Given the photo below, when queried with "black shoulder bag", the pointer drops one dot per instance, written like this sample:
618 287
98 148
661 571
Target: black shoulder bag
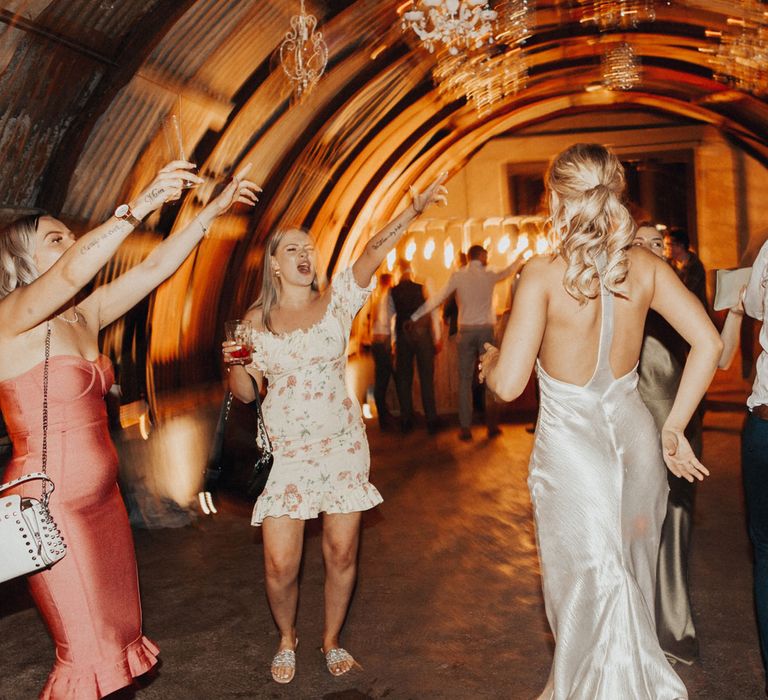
216 468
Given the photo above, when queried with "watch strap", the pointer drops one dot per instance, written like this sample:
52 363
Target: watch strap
128 216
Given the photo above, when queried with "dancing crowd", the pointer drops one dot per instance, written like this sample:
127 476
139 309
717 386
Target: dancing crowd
615 328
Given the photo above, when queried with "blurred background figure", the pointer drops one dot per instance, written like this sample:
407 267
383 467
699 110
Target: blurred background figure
690 269
418 342
473 286
383 312
662 358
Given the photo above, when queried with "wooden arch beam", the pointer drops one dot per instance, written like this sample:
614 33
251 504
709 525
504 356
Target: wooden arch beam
143 38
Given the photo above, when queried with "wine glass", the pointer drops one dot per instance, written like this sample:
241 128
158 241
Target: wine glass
239 331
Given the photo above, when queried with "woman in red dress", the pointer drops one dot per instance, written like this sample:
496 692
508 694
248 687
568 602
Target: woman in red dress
90 599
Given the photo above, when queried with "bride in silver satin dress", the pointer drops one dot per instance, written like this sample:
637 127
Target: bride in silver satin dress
597 478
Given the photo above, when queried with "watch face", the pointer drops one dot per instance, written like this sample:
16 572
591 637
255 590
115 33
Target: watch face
122 211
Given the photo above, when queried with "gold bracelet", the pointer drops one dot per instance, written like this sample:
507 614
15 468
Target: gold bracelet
734 311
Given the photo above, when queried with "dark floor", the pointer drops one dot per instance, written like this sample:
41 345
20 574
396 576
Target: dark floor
448 603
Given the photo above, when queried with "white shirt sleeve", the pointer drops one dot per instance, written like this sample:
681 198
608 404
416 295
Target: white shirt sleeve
755 294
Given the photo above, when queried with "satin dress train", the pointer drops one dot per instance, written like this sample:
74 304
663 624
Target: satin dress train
599 490
90 599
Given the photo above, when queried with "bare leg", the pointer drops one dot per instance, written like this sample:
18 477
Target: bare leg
341 534
283 542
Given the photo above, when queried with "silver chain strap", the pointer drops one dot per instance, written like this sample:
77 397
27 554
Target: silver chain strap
228 406
46 492
262 438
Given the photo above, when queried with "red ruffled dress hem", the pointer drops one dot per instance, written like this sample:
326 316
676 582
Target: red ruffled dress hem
71 682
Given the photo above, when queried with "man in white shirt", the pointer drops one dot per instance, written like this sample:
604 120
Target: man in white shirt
473 285
754 447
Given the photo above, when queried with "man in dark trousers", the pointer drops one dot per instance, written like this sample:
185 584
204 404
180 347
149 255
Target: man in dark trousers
414 341
473 285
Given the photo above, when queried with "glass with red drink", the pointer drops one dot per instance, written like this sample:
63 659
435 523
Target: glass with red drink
239 331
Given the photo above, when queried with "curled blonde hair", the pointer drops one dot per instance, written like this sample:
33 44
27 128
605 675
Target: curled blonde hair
270 282
588 218
17 265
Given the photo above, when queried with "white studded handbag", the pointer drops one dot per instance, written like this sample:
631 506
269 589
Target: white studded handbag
30 540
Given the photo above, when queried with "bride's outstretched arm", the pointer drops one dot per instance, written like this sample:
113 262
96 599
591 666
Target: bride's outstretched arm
507 370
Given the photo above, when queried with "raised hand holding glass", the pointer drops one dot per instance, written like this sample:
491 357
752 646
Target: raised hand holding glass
238 331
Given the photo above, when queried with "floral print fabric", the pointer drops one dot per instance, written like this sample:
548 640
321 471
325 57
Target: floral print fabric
322 460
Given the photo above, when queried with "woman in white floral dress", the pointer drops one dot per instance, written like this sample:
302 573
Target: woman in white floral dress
318 436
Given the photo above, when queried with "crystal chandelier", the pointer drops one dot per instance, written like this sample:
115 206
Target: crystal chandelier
741 57
621 68
303 53
483 79
454 24
495 78
488 74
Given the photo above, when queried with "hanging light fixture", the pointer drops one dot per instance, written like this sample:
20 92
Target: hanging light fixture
455 24
516 21
488 74
741 56
621 67
620 64
303 53
619 14
483 78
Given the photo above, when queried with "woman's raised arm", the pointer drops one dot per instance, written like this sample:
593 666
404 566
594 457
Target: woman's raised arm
686 314
112 300
30 305
377 248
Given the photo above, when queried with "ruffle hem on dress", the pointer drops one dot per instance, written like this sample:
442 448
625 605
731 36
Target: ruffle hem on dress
71 682
352 500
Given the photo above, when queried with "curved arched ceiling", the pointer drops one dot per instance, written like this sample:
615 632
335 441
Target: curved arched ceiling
85 85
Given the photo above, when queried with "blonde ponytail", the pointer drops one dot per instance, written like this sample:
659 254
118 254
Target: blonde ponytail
590 224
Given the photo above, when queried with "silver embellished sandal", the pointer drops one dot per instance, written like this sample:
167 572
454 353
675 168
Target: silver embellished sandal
335 656
286 658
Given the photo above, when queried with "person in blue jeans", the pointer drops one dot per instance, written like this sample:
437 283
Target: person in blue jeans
754 437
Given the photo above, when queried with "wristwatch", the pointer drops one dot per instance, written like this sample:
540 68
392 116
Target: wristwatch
124 212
